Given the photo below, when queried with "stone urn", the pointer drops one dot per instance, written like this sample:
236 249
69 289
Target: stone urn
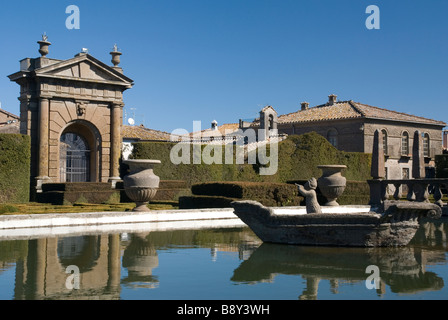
331 183
141 183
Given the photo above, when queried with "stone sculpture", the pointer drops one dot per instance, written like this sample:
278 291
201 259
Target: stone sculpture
309 192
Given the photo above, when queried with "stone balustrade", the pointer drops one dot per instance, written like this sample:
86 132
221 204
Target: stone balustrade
416 190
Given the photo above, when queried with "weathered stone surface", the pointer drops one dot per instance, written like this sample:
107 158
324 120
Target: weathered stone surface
81 95
395 227
309 192
377 166
418 160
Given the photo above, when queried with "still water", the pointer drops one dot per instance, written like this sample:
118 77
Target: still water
218 264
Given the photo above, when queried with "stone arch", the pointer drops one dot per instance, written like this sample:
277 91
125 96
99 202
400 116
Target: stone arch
92 137
82 251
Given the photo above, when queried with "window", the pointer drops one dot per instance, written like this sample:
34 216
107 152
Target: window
384 132
332 137
405 144
426 152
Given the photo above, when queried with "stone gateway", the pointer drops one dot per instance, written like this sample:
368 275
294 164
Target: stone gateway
72 109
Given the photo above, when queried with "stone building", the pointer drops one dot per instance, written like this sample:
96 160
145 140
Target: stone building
7 117
350 126
72 109
9 123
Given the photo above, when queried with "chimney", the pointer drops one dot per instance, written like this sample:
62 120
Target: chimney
332 99
305 105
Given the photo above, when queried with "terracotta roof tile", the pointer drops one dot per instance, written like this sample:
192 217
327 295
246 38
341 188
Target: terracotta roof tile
350 110
142 133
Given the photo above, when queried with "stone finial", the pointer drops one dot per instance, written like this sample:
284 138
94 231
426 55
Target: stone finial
418 161
115 56
43 45
377 167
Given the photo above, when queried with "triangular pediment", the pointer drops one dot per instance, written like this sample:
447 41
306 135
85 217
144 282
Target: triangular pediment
84 67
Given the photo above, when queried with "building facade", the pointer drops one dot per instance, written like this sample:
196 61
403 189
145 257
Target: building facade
350 126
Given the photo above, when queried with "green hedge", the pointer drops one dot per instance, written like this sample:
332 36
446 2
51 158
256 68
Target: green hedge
269 194
298 158
441 163
14 168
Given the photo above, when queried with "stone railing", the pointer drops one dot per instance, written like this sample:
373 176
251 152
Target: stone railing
416 190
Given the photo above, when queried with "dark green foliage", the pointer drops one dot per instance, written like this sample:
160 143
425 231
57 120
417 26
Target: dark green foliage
191 173
14 168
201 202
298 158
269 194
6 208
441 162
78 192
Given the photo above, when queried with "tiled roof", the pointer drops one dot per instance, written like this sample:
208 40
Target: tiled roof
350 110
9 114
142 133
226 128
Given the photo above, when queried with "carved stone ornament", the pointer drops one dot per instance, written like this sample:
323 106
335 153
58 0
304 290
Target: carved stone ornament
81 108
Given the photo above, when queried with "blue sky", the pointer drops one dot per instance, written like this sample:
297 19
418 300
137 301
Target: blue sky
226 59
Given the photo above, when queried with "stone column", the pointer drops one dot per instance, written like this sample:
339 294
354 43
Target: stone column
115 142
113 263
377 193
44 113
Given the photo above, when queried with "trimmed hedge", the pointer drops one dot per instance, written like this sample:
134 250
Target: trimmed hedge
298 158
15 154
441 163
221 194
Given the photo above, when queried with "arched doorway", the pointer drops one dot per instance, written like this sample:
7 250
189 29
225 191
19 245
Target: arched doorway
80 153
74 158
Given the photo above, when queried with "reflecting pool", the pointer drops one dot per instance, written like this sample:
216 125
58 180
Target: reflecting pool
219 264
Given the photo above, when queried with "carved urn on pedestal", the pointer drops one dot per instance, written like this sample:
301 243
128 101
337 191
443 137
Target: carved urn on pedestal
332 183
141 183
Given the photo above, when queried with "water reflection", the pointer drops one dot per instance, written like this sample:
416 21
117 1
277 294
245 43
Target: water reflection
400 268
41 265
108 263
139 258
